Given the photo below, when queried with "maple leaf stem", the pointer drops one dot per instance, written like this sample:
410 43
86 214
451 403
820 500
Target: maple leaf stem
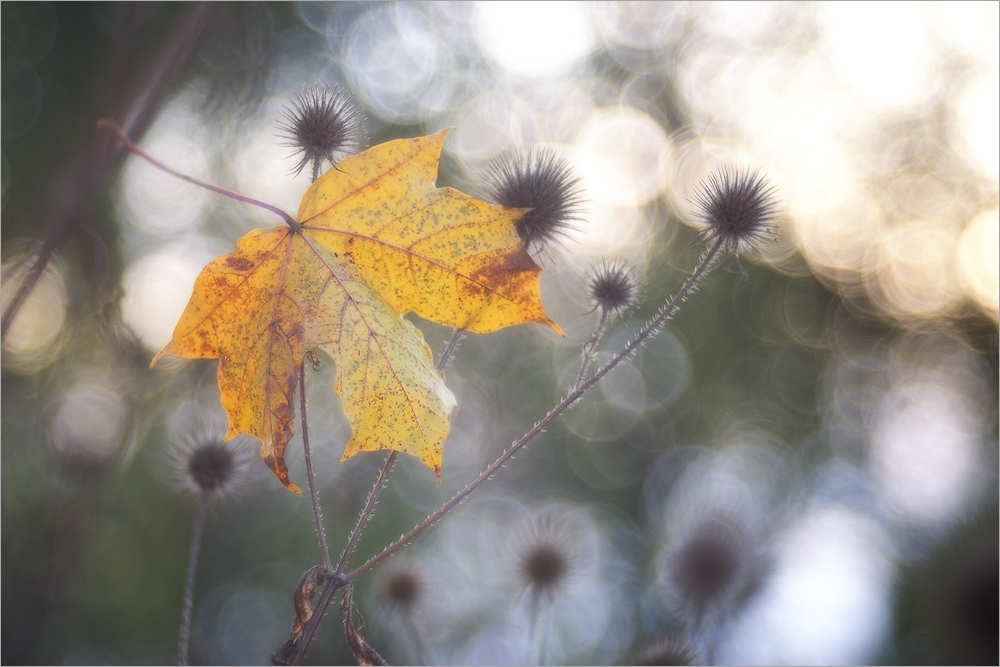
573 396
114 128
199 525
309 469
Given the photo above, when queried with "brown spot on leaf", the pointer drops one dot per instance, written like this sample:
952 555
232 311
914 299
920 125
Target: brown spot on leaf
238 263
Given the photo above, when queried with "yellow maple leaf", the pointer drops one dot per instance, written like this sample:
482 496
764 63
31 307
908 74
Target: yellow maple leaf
374 238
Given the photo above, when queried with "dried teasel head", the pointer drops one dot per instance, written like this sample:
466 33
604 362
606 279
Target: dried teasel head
205 464
323 124
613 286
542 181
547 555
736 207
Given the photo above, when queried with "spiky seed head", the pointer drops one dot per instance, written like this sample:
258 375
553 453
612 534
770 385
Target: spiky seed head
613 286
541 180
323 124
205 464
400 585
738 207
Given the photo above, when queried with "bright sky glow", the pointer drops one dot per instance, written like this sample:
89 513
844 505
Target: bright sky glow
828 601
979 260
926 452
535 39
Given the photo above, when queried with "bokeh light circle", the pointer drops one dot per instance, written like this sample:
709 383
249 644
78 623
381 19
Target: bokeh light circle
158 286
979 261
34 338
535 39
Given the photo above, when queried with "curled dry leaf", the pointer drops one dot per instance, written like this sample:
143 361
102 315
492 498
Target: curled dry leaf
363 653
374 238
302 601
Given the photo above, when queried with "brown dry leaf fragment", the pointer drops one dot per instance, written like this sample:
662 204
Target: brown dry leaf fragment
302 600
363 653
374 239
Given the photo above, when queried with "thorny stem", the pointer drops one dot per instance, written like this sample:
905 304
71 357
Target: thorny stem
309 469
450 350
588 349
555 412
339 580
114 128
366 513
383 478
199 524
333 584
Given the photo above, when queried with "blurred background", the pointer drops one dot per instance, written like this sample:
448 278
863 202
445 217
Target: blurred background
801 467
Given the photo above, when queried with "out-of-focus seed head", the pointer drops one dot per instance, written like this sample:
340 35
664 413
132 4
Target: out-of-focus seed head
664 650
712 569
401 587
323 124
542 181
738 208
544 567
205 464
613 286
547 557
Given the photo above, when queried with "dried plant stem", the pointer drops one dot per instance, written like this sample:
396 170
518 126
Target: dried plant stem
419 648
591 346
450 349
383 478
573 396
366 513
199 525
339 580
317 513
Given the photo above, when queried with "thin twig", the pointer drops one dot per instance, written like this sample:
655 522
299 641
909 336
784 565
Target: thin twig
309 469
199 524
366 515
555 412
97 161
